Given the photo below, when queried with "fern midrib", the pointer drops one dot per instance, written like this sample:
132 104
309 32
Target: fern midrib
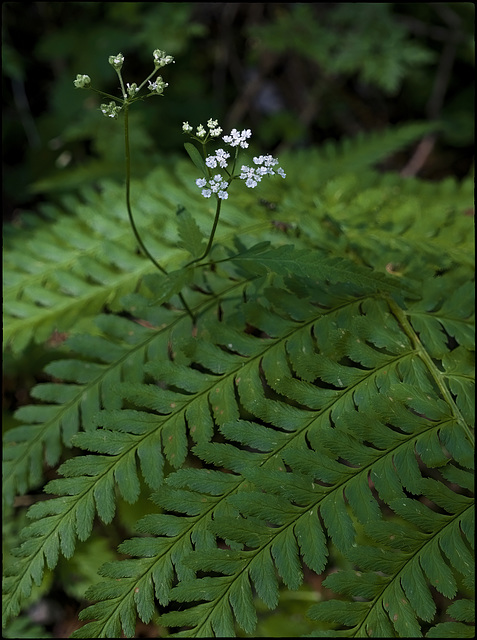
74 402
98 379
176 540
437 375
416 553
242 481
336 487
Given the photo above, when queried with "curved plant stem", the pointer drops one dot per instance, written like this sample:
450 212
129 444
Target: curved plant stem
212 234
128 206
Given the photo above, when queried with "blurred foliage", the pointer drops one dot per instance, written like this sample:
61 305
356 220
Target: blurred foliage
296 73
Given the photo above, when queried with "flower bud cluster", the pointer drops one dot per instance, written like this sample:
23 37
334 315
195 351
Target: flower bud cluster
160 58
82 81
110 110
157 86
129 91
132 89
213 126
117 61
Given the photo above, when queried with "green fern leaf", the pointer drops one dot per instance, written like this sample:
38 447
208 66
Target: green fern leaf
190 234
451 630
287 260
316 406
411 415
462 609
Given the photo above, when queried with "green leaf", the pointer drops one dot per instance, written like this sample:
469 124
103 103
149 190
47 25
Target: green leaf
240 597
451 630
191 235
285 553
347 613
401 613
197 159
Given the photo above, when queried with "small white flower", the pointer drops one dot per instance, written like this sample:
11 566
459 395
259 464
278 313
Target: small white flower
223 195
116 61
206 193
200 133
211 162
212 123
222 157
216 183
201 182
158 85
237 138
186 128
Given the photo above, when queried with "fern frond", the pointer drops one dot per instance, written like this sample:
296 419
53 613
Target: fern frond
317 394
406 227
88 384
461 610
411 556
109 365
337 370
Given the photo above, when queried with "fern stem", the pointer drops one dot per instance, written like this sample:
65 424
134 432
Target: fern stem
128 206
401 316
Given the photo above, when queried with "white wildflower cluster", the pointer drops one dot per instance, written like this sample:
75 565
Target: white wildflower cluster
237 138
253 175
110 110
82 81
157 86
215 185
220 158
160 58
117 61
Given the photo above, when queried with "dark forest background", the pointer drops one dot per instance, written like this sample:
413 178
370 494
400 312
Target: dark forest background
295 73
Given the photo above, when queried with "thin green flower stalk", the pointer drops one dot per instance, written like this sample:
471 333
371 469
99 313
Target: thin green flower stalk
130 94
